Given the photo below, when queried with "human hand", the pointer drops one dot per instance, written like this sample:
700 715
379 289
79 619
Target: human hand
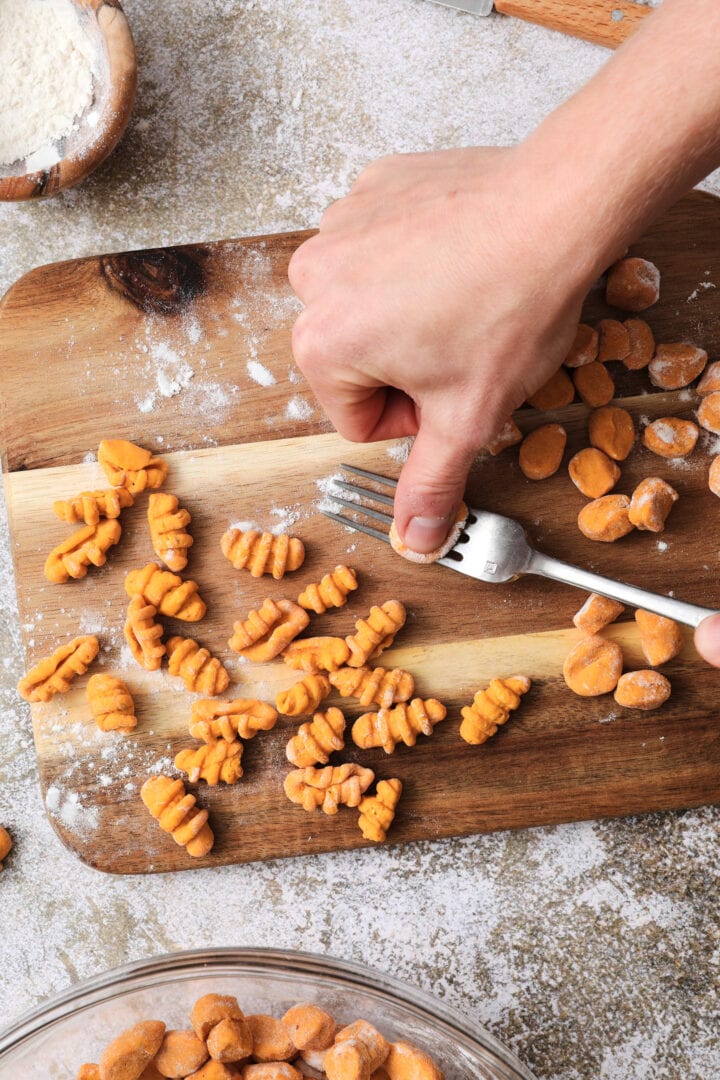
439 294
707 640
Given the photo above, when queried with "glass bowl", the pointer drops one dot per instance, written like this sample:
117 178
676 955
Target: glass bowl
52 1041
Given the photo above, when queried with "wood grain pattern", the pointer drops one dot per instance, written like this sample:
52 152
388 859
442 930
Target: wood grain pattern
82 349
114 96
603 22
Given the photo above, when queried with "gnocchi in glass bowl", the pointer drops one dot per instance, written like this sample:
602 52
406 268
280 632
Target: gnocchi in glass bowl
52 1041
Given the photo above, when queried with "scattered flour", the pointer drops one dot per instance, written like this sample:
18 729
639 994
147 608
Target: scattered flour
260 374
299 408
701 285
288 516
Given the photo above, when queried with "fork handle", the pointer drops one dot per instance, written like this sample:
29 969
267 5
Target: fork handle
547 566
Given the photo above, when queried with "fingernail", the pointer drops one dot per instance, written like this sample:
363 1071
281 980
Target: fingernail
425 534
707 640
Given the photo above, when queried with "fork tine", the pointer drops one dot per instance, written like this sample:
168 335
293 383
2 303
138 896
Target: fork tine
357 525
387 500
371 476
385 518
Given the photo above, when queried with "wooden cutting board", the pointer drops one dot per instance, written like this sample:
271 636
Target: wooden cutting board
186 351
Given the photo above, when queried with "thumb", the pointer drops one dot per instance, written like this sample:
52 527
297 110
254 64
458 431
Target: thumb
707 640
430 489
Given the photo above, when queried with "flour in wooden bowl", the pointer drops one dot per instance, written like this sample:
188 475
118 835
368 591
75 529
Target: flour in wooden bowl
47 71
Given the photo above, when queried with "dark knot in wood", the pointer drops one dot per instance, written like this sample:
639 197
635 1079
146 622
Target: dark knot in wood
163 281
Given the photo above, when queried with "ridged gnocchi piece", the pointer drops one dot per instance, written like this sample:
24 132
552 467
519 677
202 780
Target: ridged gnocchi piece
86 547
269 630
263 553
328 788
492 707
330 592
376 633
90 506
54 674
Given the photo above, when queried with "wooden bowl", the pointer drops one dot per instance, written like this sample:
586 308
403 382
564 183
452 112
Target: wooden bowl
84 149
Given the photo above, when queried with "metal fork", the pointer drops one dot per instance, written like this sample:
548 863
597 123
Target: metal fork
495 548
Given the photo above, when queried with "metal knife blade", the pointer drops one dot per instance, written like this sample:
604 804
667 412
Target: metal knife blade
474 7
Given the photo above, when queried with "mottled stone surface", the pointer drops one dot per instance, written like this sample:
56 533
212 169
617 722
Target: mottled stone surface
591 949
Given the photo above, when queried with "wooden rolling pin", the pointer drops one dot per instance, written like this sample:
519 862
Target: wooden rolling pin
604 22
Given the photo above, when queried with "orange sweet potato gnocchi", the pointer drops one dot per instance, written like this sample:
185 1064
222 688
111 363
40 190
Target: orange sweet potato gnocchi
130 466
5 845
271 1039
593 667
671 437
168 523
614 340
593 472
144 635
491 708
584 349
710 382
90 506
404 723
317 654
611 429
212 762
374 686
263 553
541 451
676 365
210 1009
310 1027
271 1071
128 1055
111 703
633 284
660 638
641 344
642 690
167 592
377 811
241 718
556 393
327 788
651 502
606 519
594 384
376 633
269 630
176 813
596 613
86 547
709 412
331 592
181 1053
508 435
54 674
201 672
316 741
714 476
224 1043
304 696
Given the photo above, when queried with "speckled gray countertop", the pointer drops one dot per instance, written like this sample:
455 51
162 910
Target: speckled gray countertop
591 949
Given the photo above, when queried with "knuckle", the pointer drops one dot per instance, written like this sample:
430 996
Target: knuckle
302 342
